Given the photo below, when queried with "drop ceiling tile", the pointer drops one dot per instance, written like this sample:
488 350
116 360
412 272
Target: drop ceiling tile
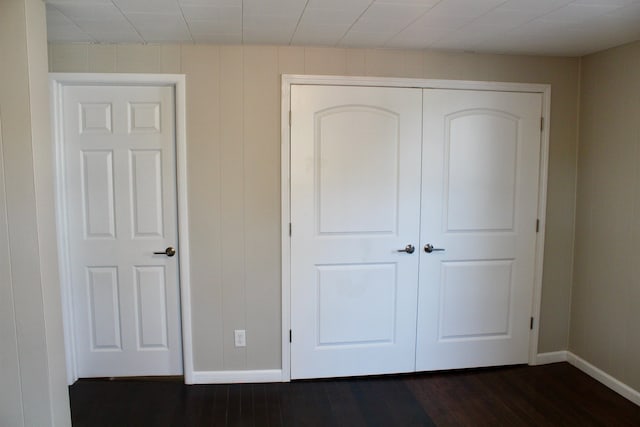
339 4
405 44
313 17
166 35
55 17
606 2
481 32
448 21
119 37
211 27
106 26
274 23
505 18
89 11
459 40
538 29
316 34
274 7
82 2
159 27
622 16
418 36
148 6
319 28
388 18
519 43
211 3
383 12
212 13
363 25
234 38
576 13
67 34
465 7
614 37
363 39
155 19
250 36
409 41
537 7
427 3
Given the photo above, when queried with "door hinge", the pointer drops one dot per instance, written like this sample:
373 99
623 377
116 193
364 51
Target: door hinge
290 336
541 123
290 229
537 225
531 324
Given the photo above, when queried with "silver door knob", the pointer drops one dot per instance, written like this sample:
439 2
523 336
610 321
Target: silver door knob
408 249
428 248
170 251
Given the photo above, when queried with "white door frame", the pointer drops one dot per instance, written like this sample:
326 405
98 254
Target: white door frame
292 79
57 82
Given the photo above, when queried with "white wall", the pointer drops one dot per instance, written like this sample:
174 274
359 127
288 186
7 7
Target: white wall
33 391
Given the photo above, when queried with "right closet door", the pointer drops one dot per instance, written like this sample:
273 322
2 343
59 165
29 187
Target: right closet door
480 177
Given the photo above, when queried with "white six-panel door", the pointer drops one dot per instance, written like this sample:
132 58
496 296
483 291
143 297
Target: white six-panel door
355 174
480 165
374 169
121 208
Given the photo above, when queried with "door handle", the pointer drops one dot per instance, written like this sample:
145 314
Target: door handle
170 251
408 249
428 248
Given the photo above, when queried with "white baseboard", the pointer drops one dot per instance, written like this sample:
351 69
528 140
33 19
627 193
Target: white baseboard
606 379
229 377
551 357
275 375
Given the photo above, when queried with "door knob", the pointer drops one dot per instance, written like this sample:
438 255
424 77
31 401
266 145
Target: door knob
408 249
170 251
428 248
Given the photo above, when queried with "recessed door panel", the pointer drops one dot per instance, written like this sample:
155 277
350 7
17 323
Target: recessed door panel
104 312
146 182
480 177
356 304
95 117
475 299
151 307
357 166
98 194
144 117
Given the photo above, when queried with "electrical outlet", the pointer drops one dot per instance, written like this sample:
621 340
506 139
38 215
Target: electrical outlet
240 337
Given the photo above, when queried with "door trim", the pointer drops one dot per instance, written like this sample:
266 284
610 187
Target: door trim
57 82
292 79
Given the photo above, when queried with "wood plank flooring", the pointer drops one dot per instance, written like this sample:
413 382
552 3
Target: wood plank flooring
550 395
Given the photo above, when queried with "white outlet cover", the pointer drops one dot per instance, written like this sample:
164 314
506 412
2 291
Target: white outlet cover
240 338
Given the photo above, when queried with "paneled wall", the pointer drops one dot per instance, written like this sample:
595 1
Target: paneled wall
33 389
605 316
233 126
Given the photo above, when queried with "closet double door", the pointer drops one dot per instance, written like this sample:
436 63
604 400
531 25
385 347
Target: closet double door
413 238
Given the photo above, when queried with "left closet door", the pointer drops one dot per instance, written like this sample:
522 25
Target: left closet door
355 212
120 175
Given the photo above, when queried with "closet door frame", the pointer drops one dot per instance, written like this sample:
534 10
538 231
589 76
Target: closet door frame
288 80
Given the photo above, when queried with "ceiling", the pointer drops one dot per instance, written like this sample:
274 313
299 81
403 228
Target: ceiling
540 27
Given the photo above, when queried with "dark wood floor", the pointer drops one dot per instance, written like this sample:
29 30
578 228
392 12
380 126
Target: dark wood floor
551 395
